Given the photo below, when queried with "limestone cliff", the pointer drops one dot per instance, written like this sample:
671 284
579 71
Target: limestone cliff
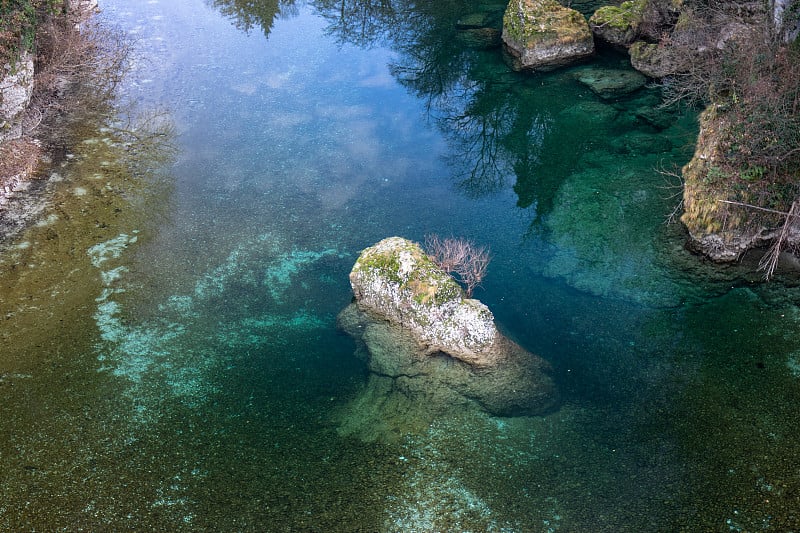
16 89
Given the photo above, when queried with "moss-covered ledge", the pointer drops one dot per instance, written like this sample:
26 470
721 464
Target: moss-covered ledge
727 210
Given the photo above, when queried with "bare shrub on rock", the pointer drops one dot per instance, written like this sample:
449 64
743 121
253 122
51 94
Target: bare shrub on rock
461 257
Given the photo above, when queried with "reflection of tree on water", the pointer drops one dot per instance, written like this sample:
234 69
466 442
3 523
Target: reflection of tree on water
363 23
495 131
497 127
247 14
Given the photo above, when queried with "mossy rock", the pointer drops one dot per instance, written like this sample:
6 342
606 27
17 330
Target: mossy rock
542 34
396 281
721 231
618 25
654 60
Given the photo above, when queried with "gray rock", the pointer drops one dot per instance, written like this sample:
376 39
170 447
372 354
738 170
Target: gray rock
542 34
611 83
654 60
618 25
429 350
397 281
16 88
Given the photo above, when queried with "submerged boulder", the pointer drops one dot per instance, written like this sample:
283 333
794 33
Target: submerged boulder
430 351
480 30
542 34
609 83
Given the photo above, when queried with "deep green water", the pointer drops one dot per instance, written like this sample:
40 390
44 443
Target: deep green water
170 359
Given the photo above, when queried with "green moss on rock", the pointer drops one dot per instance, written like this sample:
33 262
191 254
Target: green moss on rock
542 34
618 25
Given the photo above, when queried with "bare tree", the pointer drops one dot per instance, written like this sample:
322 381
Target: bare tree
447 253
473 269
460 257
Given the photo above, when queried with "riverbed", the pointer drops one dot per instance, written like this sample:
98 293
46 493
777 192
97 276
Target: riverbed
169 357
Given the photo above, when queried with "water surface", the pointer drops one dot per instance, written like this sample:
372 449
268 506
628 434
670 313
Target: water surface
170 358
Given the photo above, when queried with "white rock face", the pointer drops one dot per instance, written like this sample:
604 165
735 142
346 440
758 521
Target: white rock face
396 280
16 88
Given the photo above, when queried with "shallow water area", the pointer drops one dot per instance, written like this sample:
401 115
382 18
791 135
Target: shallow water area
170 358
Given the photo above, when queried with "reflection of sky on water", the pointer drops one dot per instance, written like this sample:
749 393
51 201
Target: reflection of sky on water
215 329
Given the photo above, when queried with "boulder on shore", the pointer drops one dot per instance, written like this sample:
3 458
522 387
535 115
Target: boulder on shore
430 351
543 35
718 229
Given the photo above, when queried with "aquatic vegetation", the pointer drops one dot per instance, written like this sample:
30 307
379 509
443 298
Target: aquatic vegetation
163 354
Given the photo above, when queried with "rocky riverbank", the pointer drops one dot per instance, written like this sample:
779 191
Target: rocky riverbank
734 57
30 98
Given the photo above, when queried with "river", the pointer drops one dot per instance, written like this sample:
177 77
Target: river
170 359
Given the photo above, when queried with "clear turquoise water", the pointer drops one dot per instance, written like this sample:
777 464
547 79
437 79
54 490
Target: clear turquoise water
199 379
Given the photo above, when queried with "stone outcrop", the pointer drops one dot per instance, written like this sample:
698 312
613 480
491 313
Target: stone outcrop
542 34
396 280
16 89
609 83
430 351
653 60
719 230
618 25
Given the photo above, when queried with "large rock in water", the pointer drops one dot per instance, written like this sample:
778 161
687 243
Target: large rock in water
618 25
542 34
430 351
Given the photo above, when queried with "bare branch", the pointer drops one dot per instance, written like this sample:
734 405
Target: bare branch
769 262
459 257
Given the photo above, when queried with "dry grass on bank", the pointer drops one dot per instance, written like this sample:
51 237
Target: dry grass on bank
18 158
78 69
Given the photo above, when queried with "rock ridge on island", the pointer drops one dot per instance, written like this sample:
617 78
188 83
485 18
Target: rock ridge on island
430 350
